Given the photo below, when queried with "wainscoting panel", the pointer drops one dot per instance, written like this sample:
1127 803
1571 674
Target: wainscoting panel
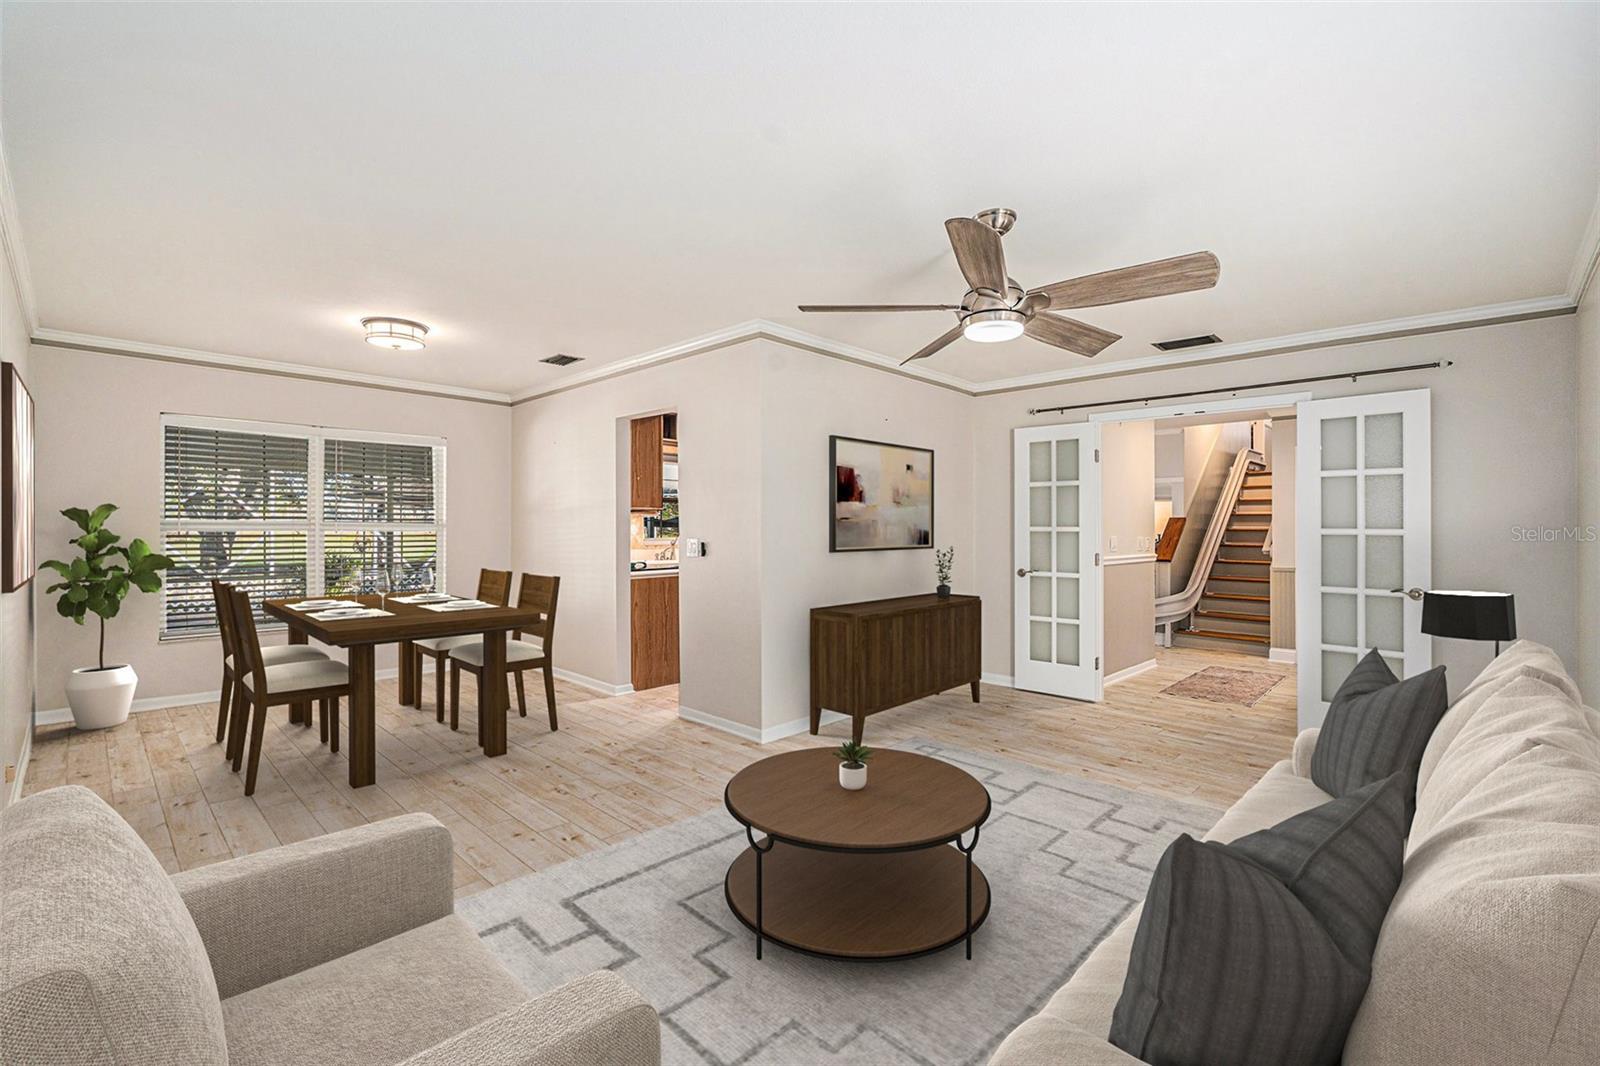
1282 607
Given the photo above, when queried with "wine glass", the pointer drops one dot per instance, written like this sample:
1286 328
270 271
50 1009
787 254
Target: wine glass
382 582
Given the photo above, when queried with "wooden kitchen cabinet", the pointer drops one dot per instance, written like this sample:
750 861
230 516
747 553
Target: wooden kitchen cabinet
655 631
645 464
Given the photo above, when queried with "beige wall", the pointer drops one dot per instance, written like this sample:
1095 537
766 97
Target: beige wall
1127 487
805 398
569 501
100 441
1504 418
1587 435
17 677
753 427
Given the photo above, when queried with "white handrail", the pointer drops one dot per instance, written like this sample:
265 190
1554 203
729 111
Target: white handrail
1171 608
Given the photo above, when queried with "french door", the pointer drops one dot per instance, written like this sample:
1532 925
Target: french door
1363 516
1056 635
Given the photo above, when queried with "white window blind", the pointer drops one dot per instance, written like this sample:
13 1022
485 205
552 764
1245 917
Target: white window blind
294 510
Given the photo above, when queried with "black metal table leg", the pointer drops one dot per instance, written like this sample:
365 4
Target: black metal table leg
760 851
967 851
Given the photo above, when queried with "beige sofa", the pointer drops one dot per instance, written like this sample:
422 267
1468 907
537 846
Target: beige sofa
1490 953
342 949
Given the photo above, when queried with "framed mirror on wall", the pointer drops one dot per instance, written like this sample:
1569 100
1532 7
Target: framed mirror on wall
16 471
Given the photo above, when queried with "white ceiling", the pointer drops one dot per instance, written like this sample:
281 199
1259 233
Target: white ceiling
607 179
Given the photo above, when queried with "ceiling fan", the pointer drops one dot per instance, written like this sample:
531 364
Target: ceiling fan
996 308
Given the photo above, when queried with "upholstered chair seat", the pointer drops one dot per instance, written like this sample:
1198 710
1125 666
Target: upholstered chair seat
517 651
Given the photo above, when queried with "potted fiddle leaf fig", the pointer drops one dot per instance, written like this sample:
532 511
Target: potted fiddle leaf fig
853 758
96 582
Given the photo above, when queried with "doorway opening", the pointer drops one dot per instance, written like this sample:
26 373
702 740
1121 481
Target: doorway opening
652 514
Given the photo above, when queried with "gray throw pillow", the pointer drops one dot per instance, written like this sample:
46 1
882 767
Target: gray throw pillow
1259 951
1377 725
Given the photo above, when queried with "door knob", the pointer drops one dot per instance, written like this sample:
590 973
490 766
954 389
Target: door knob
1023 573
1415 594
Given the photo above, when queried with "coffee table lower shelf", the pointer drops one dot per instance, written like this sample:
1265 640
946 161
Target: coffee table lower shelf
860 905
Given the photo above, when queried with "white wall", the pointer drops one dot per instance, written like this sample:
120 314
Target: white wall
805 398
569 502
100 441
753 427
1586 433
1127 486
1504 419
17 677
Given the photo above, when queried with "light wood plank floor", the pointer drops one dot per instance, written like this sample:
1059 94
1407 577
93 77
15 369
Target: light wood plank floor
621 765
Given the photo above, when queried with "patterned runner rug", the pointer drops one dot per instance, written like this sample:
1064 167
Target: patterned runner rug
1065 857
1222 684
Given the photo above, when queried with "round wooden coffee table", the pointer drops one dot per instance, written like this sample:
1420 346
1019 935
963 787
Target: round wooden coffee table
864 875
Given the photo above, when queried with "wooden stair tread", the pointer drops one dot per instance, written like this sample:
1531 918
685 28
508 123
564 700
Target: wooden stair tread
1220 634
1238 577
1246 562
1241 544
1248 597
1237 616
1249 529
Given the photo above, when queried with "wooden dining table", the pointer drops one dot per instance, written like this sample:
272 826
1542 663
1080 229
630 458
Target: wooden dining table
405 624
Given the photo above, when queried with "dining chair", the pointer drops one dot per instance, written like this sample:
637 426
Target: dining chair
494 586
259 686
273 656
535 592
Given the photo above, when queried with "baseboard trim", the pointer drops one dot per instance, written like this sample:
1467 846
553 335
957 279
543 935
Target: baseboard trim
1003 680
585 681
61 715
1281 655
748 732
1132 671
22 767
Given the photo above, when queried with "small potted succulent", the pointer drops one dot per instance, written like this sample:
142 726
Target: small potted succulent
853 764
96 582
943 560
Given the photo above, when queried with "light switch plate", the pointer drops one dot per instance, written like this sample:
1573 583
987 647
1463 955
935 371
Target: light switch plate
694 548
1113 544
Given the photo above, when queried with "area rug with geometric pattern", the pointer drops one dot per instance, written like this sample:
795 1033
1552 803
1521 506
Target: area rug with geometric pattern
1221 684
1065 859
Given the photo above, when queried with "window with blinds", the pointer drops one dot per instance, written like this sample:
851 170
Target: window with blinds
291 511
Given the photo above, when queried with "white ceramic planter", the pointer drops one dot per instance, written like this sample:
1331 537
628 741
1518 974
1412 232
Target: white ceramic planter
852 777
101 699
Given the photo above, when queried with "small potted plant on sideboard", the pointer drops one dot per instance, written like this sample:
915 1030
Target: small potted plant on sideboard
853 764
943 562
96 583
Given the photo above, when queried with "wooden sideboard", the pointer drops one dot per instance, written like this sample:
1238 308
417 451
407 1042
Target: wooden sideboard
868 657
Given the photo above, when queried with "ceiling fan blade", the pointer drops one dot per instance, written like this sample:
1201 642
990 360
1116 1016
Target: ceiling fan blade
1164 277
978 252
1080 338
933 346
1033 303
879 307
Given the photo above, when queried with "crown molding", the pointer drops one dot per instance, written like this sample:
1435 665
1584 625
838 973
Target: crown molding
11 242
753 329
1588 258
84 342
1443 321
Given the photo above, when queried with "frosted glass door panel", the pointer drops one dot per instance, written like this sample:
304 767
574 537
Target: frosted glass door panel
1363 510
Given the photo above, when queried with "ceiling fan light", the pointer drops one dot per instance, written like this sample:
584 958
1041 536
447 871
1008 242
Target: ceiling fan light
991 327
396 334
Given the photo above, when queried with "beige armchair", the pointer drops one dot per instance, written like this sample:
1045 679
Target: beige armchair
343 948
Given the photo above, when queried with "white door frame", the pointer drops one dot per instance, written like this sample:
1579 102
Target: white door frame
1086 680
1416 469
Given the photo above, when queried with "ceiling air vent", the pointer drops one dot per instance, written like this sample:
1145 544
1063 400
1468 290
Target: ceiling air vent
562 360
1188 342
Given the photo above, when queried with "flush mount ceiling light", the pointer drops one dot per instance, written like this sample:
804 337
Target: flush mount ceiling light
396 334
988 327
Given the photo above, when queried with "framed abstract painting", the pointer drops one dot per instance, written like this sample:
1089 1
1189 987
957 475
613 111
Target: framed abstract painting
16 473
881 496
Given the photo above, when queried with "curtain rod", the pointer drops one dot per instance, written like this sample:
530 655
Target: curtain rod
1354 375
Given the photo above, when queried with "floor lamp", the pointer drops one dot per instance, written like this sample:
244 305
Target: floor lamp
1470 616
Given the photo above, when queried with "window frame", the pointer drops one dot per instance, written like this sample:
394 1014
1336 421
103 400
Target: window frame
315 525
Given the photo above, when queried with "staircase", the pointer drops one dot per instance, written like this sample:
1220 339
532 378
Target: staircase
1232 614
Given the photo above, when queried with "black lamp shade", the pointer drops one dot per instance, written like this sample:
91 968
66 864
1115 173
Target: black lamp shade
1469 615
